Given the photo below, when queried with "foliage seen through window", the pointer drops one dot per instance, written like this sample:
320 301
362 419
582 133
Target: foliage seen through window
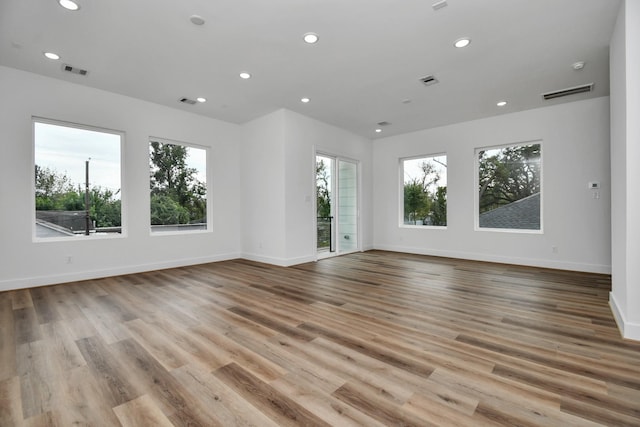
509 187
178 187
64 156
425 191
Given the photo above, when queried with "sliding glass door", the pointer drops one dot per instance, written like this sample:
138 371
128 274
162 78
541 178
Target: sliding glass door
336 205
347 206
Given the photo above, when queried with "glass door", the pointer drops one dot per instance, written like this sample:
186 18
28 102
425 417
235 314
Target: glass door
347 232
325 226
336 205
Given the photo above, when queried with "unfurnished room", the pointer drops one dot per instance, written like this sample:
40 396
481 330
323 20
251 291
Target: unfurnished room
320 213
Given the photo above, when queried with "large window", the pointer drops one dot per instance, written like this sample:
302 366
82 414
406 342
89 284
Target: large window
178 183
424 185
509 190
77 180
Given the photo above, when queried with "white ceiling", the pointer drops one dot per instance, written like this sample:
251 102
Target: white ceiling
370 57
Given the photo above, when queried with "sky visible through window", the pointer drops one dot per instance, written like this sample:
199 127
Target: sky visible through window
197 158
412 168
66 149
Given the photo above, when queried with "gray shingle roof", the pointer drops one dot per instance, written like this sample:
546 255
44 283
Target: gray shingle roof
523 214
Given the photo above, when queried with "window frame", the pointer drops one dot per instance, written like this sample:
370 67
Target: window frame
208 185
401 184
476 193
123 204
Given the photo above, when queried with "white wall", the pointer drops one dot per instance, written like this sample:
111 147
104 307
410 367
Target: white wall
25 263
278 164
618 89
632 330
305 137
575 150
263 189
625 157
263 186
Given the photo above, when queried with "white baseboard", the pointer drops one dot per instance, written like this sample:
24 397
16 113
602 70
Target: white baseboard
543 263
282 262
628 330
31 282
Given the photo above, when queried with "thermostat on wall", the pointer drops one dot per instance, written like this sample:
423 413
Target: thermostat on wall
594 185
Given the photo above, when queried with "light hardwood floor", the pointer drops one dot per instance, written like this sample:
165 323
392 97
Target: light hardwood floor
370 339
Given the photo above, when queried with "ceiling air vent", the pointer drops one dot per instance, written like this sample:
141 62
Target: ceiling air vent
384 123
187 101
429 80
568 91
74 70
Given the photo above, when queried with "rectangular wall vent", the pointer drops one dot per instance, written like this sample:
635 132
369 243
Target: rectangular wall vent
568 91
188 101
74 70
429 80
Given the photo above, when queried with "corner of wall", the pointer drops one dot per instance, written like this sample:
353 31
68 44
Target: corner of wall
628 330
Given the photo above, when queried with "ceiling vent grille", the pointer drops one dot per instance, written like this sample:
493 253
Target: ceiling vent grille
429 80
569 91
75 70
187 101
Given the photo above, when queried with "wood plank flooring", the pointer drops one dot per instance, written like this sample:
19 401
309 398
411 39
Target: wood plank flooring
367 339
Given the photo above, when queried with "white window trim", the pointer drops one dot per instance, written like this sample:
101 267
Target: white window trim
401 223
476 195
209 198
123 192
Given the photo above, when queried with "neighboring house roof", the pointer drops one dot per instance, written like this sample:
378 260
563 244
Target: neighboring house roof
46 230
65 221
523 214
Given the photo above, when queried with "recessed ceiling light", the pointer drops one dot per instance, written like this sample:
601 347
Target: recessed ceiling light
52 55
501 103
201 99
439 4
305 100
378 130
310 38
463 42
69 4
245 75
196 20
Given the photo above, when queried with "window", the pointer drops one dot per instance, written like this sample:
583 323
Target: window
178 184
77 180
425 191
509 187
